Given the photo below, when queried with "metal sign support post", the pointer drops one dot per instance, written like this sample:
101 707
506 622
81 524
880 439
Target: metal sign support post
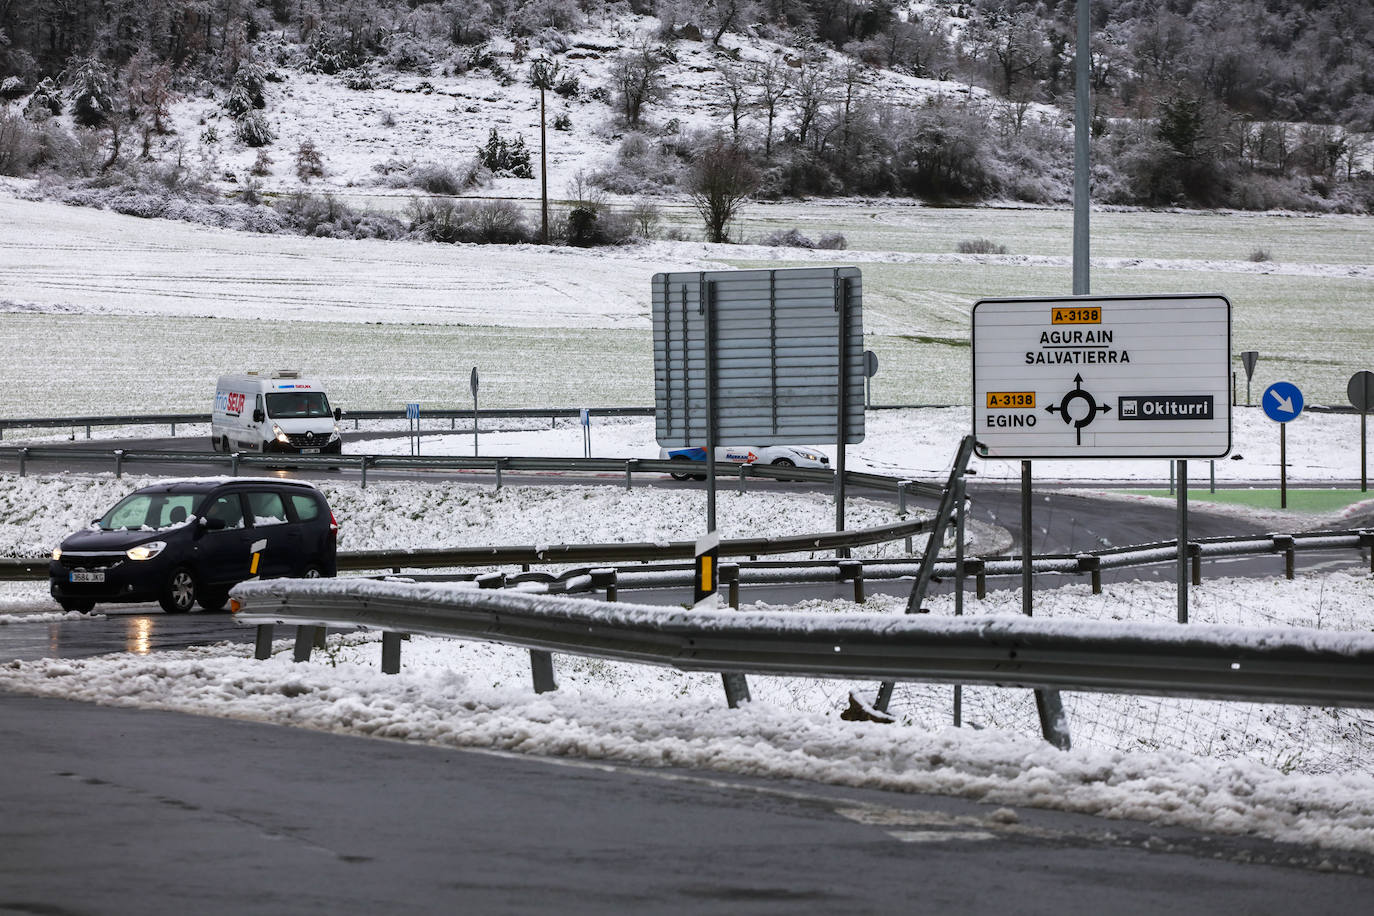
961 503
474 411
707 306
1026 538
1183 540
1364 455
1283 465
841 413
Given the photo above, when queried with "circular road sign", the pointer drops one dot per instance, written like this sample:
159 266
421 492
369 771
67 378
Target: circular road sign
870 363
1282 401
1361 391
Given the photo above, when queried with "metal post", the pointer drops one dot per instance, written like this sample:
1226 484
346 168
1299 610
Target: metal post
234 464
474 423
119 462
1212 477
262 644
499 462
541 668
841 408
23 460
305 641
391 653
1364 455
1026 569
629 479
707 305
960 495
362 468
1082 135
1182 541
1283 465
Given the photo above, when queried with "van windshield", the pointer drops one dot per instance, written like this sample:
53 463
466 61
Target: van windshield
289 405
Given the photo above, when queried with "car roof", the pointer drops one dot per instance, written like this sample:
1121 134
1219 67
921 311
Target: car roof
206 484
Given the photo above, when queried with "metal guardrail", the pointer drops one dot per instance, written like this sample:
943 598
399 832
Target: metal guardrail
498 465
1218 662
172 419
32 568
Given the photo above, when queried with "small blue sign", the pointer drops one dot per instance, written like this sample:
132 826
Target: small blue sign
584 415
1282 401
412 411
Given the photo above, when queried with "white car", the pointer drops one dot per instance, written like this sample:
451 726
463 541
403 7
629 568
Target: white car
783 456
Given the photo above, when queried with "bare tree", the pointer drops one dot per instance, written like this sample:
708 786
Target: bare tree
637 77
732 93
722 179
771 82
721 16
813 92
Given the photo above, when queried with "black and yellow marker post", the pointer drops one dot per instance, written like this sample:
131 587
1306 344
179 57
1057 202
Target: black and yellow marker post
704 584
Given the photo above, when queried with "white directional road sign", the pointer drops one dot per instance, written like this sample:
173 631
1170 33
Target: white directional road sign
1102 377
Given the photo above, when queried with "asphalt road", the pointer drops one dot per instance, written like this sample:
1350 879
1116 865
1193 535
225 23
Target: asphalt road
111 810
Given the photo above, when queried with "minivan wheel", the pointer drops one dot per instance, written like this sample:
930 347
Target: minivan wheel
213 599
178 592
80 607
312 572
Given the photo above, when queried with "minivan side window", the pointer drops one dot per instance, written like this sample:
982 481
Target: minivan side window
267 508
305 506
226 508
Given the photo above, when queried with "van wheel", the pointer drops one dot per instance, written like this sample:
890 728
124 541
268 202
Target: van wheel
677 476
178 592
312 572
213 600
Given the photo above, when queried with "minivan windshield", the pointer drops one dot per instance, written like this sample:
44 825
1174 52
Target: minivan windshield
291 405
150 510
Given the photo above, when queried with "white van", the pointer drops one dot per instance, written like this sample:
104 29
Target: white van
274 412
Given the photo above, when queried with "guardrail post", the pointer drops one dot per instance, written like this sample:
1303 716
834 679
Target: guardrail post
88 430
234 464
305 641
23 460
319 637
391 653
499 462
492 580
1367 543
605 577
743 472
1087 563
853 571
901 501
1195 554
629 467
978 568
541 668
729 577
262 645
174 430
119 463
1284 542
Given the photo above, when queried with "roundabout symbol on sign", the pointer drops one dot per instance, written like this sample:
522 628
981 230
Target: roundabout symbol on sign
1090 410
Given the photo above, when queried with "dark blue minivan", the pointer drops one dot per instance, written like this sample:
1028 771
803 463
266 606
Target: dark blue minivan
185 542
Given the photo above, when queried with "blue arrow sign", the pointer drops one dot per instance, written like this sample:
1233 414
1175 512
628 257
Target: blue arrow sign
1282 401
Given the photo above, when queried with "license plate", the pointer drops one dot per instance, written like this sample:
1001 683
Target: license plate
84 576
310 451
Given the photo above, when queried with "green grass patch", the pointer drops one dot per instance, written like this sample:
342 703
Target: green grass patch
1299 500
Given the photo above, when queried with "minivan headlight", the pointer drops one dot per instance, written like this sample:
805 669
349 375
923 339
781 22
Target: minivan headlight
280 433
146 551
57 553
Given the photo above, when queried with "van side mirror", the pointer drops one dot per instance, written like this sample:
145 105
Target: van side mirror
258 415
338 413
